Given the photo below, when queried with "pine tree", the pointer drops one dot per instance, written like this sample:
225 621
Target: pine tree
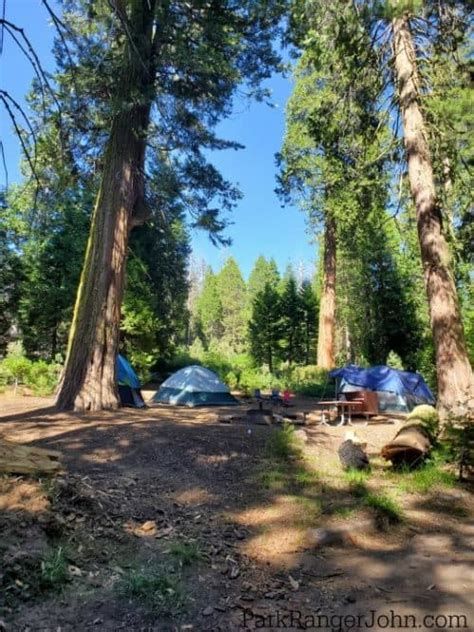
292 316
265 327
263 272
209 310
333 151
232 294
11 273
309 311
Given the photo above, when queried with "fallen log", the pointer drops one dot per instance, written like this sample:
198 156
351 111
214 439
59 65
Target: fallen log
16 458
413 442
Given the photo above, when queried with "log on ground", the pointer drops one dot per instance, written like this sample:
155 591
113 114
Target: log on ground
22 459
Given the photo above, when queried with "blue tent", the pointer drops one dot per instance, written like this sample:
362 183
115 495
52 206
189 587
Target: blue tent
128 384
397 390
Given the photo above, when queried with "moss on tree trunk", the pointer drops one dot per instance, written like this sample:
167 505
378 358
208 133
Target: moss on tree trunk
88 381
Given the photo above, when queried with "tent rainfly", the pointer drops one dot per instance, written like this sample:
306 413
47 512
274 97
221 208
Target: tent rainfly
194 386
128 384
397 391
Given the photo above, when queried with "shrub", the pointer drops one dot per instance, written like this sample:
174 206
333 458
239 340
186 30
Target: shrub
16 369
252 378
3 377
142 362
43 377
283 444
232 380
458 438
394 361
307 380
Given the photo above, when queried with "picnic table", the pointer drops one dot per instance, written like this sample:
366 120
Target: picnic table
342 406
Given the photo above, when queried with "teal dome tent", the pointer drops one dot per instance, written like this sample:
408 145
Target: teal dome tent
194 386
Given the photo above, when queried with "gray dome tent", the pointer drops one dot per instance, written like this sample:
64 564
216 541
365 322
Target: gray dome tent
194 386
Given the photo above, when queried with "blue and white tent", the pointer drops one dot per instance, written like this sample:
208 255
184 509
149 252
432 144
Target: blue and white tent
397 391
128 384
194 386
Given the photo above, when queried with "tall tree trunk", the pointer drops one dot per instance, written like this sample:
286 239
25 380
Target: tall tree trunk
454 373
88 381
327 307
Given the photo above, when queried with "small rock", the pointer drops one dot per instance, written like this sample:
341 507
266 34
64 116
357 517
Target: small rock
247 597
74 570
207 611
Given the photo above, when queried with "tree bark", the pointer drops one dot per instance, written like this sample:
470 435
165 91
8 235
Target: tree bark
327 308
89 380
454 373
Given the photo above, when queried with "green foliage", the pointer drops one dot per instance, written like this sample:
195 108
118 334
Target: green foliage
16 368
292 318
11 273
262 273
283 444
186 552
266 326
394 361
209 309
386 508
159 589
430 476
232 293
308 380
43 377
458 438
309 322
356 477
54 569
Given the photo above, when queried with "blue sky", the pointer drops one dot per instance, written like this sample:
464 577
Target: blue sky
260 224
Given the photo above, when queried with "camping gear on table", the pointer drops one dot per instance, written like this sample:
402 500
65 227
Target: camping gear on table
397 391
194 386
128 384
275 396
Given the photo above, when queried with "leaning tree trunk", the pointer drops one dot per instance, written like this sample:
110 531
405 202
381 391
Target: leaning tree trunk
454 373
88 381
327 307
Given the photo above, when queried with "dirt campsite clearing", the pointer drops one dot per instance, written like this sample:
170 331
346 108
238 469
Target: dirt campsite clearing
166 519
